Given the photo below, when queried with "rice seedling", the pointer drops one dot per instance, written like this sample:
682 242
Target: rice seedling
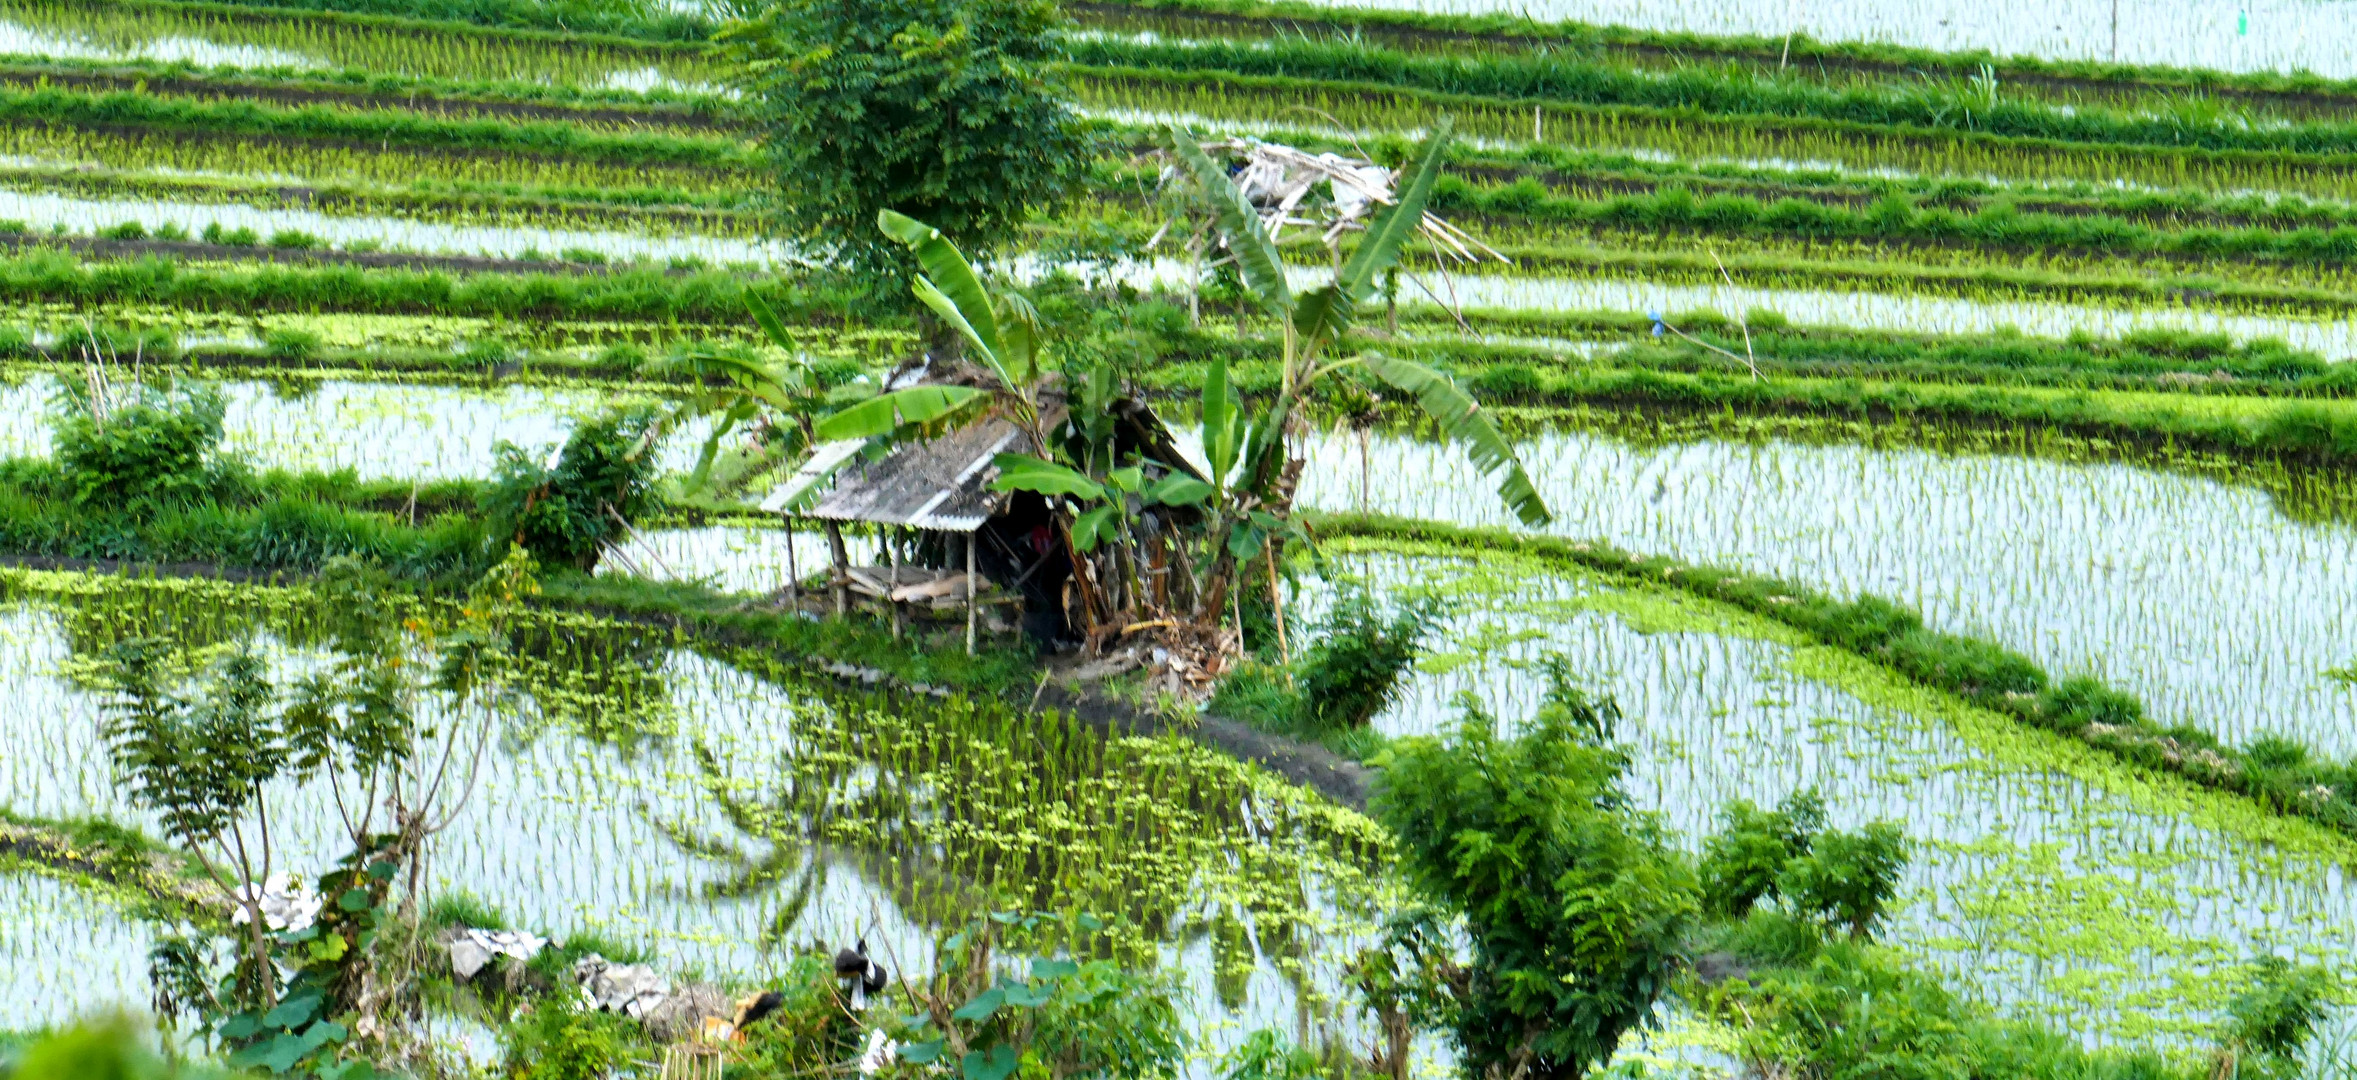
224 33
2046 882
2127 574
725 815
656 242
66 951
2264 36
1225 99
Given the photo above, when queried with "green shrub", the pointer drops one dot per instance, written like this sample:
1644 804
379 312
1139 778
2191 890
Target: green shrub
295 239
2082 700
129 230
1573 902
560 1040
172 231
463 908
2277 1014
1743 863
288 345
1354 670
565 512
155 446
241 236
1847 879
584 256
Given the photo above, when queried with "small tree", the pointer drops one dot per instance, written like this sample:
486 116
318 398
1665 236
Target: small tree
939 109
1742 864
568 507
201 752
1573 902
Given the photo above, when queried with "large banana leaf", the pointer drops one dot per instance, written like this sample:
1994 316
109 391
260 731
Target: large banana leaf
766 318
1256 255
1019 337
885 413
1325 314
1461 418
1022 472
1220 430
1389 231
955 316
947 268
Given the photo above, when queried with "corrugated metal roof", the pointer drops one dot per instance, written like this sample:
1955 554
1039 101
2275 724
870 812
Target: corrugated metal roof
939 485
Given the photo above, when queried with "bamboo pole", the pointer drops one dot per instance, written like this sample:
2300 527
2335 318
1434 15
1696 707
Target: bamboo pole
970 604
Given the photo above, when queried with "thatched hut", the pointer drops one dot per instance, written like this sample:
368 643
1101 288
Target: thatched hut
950 538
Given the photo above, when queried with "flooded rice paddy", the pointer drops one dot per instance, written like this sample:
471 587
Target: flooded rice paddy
2200 597
2046 881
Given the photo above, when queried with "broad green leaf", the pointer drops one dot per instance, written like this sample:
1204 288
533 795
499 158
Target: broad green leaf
296 1010
1256 255
1022 472
1219 422
329 949
886 413
923 1053
353 900
1244 542
1091 528
1389 230
766 318
1462 420
1025 996
951 275
240 1026
1019 337
996 1065
1043 968
942 305
1179 489
1323 315
983 1007
1129 479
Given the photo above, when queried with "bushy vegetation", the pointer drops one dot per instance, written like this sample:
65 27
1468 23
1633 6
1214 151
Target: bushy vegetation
1575 904
567 507
939 109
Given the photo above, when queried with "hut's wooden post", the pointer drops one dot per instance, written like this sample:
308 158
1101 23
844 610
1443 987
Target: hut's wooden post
892 582
842 569
970 605
793 575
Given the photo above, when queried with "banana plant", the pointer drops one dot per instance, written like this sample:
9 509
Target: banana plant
1001 333
1253 462
737 389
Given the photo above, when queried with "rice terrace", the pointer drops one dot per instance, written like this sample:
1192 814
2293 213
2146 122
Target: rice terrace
1178 539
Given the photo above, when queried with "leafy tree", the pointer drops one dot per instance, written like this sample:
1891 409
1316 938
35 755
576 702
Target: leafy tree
1574 903
1847 879
1354 669
1741 865
939 109
2275 1016
123 446
199 750
566 508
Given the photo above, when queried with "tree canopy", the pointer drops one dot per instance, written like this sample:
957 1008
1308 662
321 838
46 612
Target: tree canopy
938 109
